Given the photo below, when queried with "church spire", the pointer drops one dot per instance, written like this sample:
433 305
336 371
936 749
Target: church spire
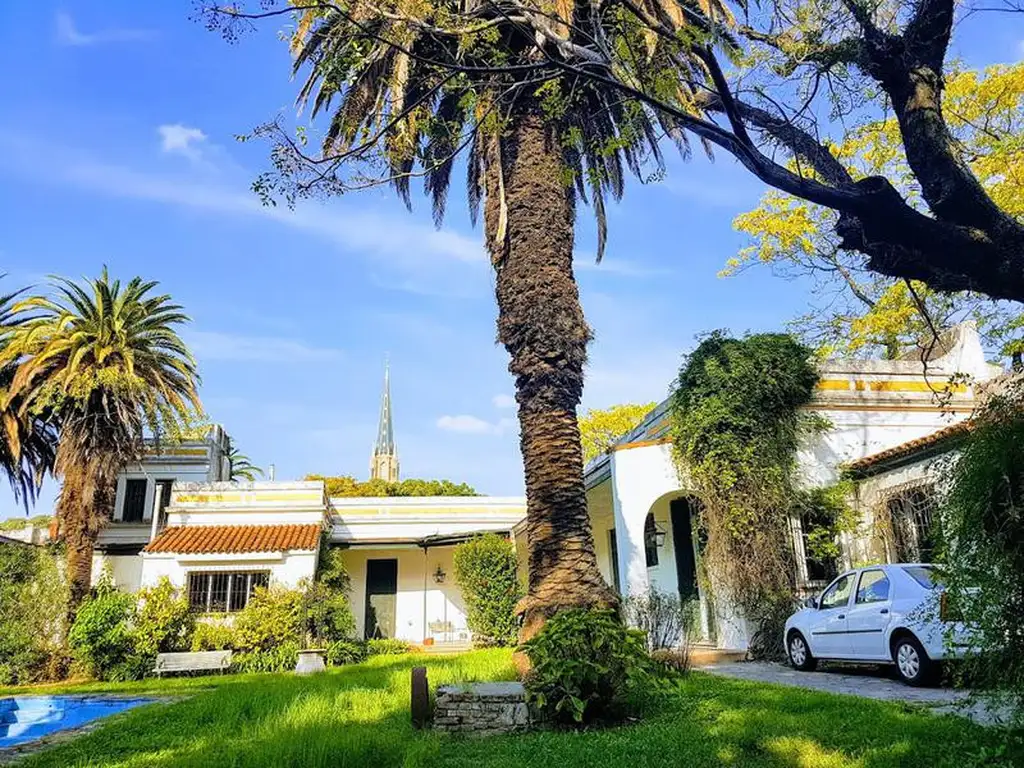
384 461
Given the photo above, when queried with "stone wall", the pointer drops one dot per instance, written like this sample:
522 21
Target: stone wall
482 709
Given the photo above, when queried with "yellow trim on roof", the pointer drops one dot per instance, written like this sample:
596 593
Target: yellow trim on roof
246 496
177 452
833 384
887 385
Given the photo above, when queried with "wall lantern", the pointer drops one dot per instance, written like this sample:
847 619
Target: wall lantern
439 575
654 533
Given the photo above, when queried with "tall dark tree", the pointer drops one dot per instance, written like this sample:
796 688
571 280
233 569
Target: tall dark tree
405 88
104 360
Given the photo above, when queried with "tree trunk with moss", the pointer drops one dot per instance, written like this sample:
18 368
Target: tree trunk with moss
541 324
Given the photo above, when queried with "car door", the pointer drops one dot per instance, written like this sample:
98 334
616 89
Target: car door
828 625
869 615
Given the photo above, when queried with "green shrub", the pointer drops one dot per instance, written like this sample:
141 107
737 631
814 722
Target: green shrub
587 667
33 603
272 616
279 658
346 652
983 526
163 621
213 637
387 646
101 637
328 612
486 572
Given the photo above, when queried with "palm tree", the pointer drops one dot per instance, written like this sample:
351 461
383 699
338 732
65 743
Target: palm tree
106 362
408 87
241 465
27 442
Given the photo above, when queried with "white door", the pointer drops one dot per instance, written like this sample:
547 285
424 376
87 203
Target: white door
829 638
869 615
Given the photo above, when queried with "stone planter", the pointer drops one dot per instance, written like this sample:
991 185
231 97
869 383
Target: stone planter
482 709
311 661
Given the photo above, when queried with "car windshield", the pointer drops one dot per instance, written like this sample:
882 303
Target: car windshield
925 575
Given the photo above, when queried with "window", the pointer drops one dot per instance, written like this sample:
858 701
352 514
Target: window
873 587
223 591
813 526
914 529
134 507
926 576
613 552
163 499
650 541
838 594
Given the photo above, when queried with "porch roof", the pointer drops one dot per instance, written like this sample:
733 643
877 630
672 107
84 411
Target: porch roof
234 539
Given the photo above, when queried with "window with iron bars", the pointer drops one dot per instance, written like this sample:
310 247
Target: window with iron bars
914 524
223 591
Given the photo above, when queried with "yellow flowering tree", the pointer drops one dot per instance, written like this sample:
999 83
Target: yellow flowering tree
600 428
863 313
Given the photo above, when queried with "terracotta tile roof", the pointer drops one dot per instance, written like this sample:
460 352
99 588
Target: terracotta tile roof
233 539
910 447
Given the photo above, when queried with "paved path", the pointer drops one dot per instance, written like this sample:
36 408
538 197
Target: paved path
868 681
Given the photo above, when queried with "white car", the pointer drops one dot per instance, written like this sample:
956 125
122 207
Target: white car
889 614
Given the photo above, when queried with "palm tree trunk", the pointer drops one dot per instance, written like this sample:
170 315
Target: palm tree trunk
78 543
541 324
85 505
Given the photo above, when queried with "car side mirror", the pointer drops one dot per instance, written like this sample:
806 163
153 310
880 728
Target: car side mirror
811 602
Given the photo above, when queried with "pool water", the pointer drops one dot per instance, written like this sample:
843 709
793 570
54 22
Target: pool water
27 718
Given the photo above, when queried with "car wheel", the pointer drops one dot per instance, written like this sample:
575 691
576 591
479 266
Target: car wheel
799 653
912 662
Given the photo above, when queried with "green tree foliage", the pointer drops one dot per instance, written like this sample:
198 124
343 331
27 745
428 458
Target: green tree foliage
486 571
27 440
346 485
587 667
863 313
983 526
33 596
101 638
241 465
736 425
601 427
328 611
103 360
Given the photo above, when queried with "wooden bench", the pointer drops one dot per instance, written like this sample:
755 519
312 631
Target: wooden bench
200 661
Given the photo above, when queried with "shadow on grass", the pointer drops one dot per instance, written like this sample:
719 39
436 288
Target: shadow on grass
359 716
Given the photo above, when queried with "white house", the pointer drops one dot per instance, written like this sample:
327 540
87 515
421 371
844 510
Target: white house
177 515
888 420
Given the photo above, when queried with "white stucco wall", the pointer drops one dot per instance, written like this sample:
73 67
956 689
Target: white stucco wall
286 569
125 570
413 613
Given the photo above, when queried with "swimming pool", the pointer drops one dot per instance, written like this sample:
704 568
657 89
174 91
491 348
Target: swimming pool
27 718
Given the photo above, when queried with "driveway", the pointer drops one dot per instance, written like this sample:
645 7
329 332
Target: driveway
871 682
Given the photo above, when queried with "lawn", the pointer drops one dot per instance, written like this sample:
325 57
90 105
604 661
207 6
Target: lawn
359 716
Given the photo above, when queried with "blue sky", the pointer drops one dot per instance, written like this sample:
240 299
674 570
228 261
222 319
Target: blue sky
117 147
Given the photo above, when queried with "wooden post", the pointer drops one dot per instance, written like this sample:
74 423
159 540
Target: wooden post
420 698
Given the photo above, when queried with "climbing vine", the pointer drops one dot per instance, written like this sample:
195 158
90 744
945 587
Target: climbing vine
736 425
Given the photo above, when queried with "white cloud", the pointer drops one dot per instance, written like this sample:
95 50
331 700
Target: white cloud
471 425
504 401
69 34
214 345
178 139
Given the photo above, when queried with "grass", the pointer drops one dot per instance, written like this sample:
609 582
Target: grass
359 716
